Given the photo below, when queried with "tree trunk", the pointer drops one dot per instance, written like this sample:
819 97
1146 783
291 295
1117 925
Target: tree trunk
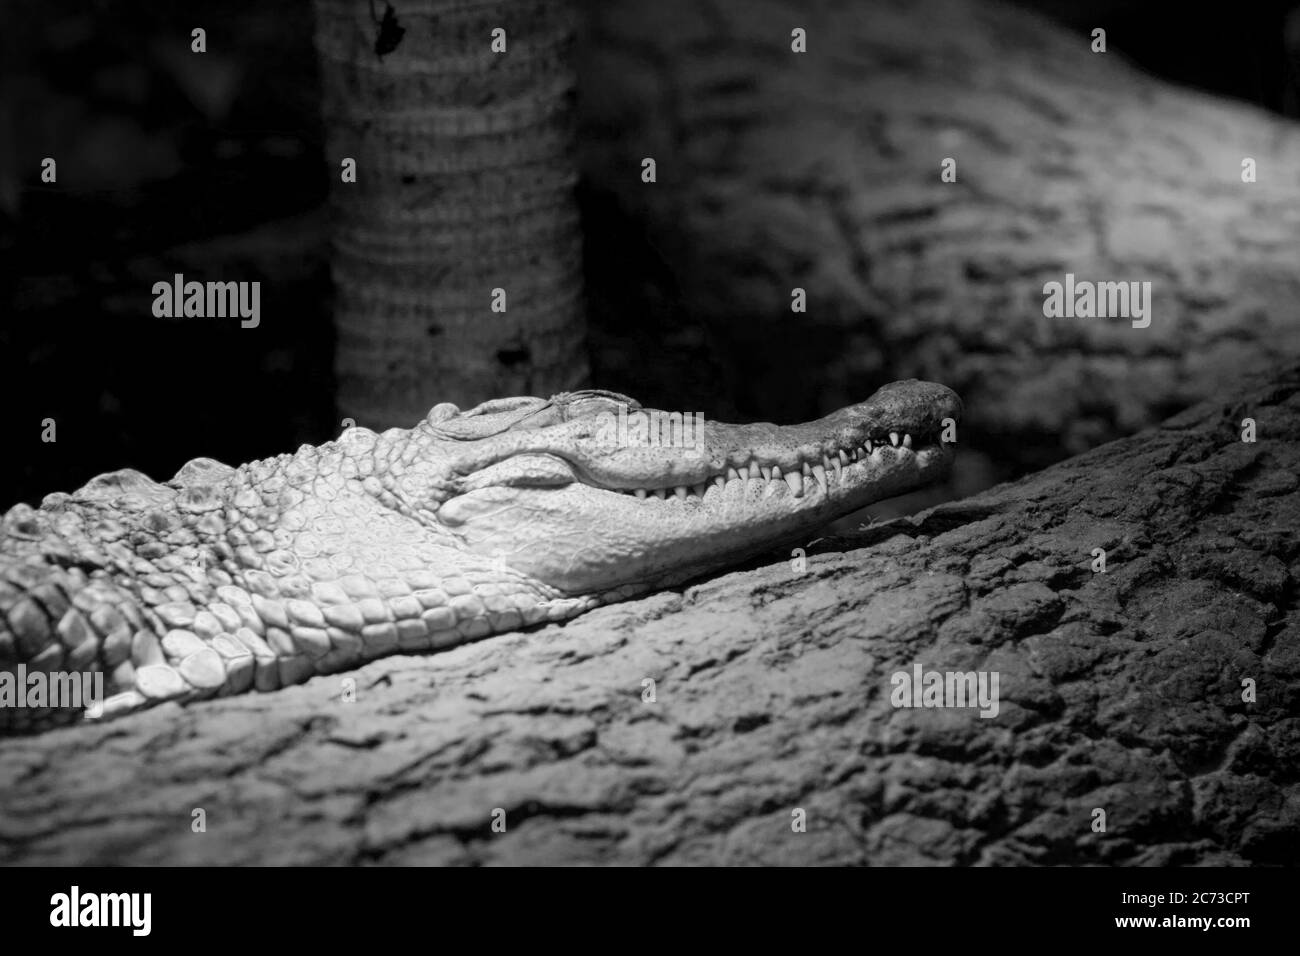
1121 691
464 185
822 171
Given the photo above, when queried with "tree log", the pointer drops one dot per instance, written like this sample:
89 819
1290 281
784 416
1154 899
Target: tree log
822 171
1121 691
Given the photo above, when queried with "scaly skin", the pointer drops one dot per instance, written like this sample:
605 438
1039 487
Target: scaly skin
516 512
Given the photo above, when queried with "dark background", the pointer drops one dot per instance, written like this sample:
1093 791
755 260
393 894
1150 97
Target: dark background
213 165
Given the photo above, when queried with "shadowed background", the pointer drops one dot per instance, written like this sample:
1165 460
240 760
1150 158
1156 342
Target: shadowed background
215 166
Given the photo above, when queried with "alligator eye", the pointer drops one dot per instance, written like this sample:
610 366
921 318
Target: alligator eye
595 402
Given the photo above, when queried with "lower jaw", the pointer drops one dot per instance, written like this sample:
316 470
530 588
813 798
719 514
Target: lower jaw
856 487
627 542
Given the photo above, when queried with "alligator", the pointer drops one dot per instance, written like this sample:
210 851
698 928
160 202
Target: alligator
517 512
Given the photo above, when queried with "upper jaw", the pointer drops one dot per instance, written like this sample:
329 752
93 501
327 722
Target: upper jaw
898 422
803 475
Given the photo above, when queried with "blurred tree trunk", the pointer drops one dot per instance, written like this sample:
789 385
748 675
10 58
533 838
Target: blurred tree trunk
464 185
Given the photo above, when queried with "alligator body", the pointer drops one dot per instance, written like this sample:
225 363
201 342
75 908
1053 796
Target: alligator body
513 513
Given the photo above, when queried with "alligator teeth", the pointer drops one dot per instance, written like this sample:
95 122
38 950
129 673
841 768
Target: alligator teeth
806 470
732 474
844 459
839 467
820 474
660 493
698 490
907 441
680 492
640 492
719 481
867 445
743 471
857 454
795 481
766 472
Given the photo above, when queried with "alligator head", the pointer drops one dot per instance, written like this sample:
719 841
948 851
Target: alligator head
508 514
591 493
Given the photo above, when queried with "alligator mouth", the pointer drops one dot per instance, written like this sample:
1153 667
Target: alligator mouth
841 467
896 440
602 514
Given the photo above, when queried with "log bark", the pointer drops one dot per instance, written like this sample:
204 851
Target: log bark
1120 691
464 185
822 171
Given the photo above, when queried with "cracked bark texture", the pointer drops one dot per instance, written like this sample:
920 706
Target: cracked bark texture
1120 691
822 171
464 185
